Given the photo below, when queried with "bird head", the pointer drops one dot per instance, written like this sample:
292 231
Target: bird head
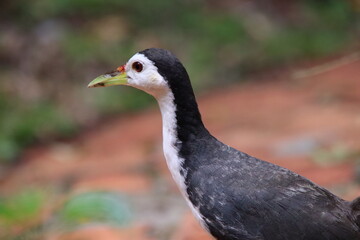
150 70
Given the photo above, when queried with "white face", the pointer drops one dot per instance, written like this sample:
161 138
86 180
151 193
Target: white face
143 74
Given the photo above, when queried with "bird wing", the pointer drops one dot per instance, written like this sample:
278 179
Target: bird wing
253 199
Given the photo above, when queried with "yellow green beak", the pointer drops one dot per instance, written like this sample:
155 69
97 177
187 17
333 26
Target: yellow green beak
110 79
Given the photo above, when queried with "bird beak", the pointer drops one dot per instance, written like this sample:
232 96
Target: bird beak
117 77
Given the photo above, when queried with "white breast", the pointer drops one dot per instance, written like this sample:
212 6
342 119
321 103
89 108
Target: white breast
173 160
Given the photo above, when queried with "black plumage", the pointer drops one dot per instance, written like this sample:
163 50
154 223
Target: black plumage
242 197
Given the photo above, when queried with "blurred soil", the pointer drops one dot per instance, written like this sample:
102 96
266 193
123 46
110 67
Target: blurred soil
307 121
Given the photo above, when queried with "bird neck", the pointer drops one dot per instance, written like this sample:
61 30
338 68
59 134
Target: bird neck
181 116
182 124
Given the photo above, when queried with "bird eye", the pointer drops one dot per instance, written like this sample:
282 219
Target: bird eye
137 66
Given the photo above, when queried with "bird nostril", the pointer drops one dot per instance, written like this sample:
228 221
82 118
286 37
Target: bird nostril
112 73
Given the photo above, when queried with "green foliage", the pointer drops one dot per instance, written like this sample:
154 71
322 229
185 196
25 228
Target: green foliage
40 9
21 124
326 30
212 41
21 213
332 13
96 207
20 209
336 154
80 47
302 43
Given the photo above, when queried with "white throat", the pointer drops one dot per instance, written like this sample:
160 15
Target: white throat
171 152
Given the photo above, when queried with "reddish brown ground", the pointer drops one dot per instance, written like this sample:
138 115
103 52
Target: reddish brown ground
295 123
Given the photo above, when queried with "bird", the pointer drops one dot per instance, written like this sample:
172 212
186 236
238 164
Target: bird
233 195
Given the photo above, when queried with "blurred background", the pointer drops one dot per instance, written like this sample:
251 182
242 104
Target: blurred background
278 79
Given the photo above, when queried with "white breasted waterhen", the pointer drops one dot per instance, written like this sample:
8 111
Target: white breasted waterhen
232 194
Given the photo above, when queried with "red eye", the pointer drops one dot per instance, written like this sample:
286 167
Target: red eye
137 66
